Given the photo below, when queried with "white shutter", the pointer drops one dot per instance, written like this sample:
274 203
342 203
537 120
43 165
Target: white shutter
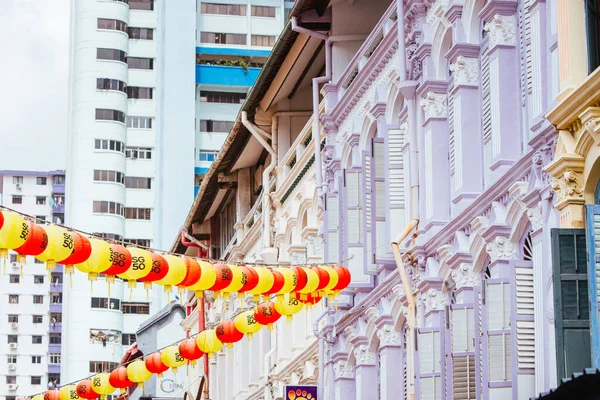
354 205
525 310
368 256
463 378
497 297
429 352
499 358
382 250
450 99
333 234
431 388
396 163
463 330
486 112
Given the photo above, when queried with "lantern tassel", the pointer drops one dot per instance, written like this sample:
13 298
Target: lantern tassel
288 318
199 294
123 390
108 286
270 327
3 258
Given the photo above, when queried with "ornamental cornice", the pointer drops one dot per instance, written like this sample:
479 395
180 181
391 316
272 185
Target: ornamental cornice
436 11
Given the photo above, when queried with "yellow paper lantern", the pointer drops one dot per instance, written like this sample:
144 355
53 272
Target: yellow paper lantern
208 342
247 324
60 246
290 280
172 358
208 277
333 280
69 392
138 373
141 265
265 282
237 281
101 385
38 397
13 233
288 306
99 260
312 282
176 273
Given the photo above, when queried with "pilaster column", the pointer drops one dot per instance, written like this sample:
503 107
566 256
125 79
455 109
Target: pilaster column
434 157
366 373
344 381
466 148
390 361
572 51
503 146
567 171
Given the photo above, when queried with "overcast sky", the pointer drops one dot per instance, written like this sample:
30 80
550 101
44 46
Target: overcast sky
34 62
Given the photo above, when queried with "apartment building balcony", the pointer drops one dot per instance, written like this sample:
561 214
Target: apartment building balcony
56 287
55 328
56 307
58 188
54 368
58 209
226 75
54 348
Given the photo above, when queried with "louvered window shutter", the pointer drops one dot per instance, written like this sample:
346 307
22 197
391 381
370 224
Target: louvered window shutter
498 303
486 113
397 183
333 226
571 299
430 381
354 193
366 215
455 179
523 279
379 202
463 357
593 249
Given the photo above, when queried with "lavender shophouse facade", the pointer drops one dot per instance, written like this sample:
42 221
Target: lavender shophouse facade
441 122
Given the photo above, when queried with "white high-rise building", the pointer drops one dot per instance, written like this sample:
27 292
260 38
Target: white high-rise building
147 115
30 298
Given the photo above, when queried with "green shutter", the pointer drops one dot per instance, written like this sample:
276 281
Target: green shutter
571 304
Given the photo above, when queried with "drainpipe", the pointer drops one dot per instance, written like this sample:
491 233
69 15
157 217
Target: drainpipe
412 310
188 240
321 337
315 123
258 134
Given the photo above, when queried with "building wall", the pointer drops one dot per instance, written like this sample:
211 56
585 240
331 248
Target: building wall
461 148
27 186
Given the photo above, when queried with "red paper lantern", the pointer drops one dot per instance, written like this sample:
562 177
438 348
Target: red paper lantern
324 278
85 391
53 394
277 283
228 333
266 314
224 277
82 249
192 274
189 350
118 378
344 280
155 365
250 279
121 262
159 270
36 242
301 279
1 219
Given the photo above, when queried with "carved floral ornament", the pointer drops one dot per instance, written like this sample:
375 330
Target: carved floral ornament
501 248
535 217
342 370
464 276
388 336
567 186
434 105
465 71
501 30
433 300
363 356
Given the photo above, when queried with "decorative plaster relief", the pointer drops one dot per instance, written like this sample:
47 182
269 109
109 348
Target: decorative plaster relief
388 336
465 71
535 217
433 300
436 11
314 246
434 105
568 186
364 356
342 370
501 30
501 249
464 276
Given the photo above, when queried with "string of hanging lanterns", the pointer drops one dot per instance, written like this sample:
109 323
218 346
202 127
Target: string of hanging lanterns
55 244
208 342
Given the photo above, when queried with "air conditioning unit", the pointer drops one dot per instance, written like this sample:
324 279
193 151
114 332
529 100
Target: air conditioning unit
12 367
12 345
13 387
14 264
14 325
19 186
